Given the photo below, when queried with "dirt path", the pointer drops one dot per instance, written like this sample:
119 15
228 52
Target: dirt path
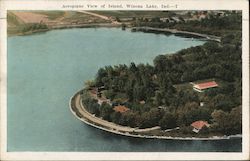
100 16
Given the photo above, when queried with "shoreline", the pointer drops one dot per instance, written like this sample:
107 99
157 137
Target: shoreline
66 26
80 116
177 33
132 29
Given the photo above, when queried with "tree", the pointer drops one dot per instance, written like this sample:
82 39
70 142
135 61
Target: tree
100 75
168 121
89 83
236 120
90 104
110 94
106 111
227 123
133 68
151 118
115 117
130 118
192 112
227 39
160 63
220 120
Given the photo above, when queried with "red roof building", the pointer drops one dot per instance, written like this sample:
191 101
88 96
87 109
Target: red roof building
198 125
201 87
120 109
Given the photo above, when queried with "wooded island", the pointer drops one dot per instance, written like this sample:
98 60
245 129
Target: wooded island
194 92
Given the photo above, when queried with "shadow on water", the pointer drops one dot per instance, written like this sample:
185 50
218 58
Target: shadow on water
163 145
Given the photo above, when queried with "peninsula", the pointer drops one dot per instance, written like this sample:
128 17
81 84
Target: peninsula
194 93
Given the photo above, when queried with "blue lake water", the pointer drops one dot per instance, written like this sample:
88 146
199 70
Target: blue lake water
45 70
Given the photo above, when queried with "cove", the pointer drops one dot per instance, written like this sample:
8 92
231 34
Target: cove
45 70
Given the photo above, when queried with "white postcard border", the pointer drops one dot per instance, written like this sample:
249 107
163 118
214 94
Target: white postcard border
182 5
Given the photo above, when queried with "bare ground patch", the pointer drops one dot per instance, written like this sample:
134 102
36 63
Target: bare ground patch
29 17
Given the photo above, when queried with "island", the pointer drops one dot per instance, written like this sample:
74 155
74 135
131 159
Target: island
195 93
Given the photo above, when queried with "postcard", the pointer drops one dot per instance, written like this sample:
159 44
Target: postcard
124 80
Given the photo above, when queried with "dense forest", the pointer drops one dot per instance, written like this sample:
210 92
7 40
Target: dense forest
161 94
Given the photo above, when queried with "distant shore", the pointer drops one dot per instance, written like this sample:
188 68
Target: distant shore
177 32
133 29
81 113
65 26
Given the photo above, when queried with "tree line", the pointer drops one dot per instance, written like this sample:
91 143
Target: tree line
34 27
211 24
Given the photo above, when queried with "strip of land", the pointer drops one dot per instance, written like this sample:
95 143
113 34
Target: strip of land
82 114
98 121
174 31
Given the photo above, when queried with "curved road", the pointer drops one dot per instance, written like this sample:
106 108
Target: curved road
100 16
79 111
100 122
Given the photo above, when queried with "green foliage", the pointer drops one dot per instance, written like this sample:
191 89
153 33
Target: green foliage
34 27
89 83
192 112
106 111
168 105
130 118
212 24
110 94
151 118
204 130
90 104
154 84
228 122
115 117
168 121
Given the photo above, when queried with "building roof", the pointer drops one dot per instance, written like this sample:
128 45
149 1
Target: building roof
120 108
206 85
199 124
